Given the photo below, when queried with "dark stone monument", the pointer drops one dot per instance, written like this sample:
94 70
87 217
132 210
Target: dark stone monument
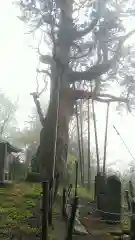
112 205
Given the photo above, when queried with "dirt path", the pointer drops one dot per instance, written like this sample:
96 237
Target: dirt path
60 230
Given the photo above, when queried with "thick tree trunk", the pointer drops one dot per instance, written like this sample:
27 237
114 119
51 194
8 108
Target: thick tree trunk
67 100
66 103
58 73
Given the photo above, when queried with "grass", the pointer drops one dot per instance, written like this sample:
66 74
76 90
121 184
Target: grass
17 203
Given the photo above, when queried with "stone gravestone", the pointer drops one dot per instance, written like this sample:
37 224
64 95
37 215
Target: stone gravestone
112 205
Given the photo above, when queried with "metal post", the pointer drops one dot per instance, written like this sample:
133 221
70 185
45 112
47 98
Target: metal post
45 199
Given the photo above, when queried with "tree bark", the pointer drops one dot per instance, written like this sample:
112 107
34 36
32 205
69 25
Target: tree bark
48 135
58 70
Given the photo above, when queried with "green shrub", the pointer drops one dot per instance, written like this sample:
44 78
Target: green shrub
33 177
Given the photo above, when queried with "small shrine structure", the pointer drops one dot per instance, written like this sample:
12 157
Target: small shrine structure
6 149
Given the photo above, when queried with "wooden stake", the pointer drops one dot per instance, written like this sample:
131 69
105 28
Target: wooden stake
79 144
96 138
105 142
89 160
76 179
81 128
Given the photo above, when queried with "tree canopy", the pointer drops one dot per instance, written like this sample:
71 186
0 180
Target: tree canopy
86 36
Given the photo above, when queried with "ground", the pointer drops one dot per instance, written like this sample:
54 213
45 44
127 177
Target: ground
17 205
20 215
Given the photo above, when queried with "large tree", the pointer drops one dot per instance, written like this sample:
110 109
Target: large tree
82 49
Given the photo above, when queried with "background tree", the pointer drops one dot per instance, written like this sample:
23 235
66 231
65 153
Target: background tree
17 169
30 135
8 123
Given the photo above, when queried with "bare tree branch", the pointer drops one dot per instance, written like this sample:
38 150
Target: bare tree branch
92 73
3 125
76 57
45 72
111 98
87 30
46 18
45 87
46 59
39 110
97 70
82 94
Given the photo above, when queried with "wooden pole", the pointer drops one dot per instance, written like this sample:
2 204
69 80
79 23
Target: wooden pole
89 160
45 200
82 150
96 138
79 144
105 142
76 179
51 187
64 203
